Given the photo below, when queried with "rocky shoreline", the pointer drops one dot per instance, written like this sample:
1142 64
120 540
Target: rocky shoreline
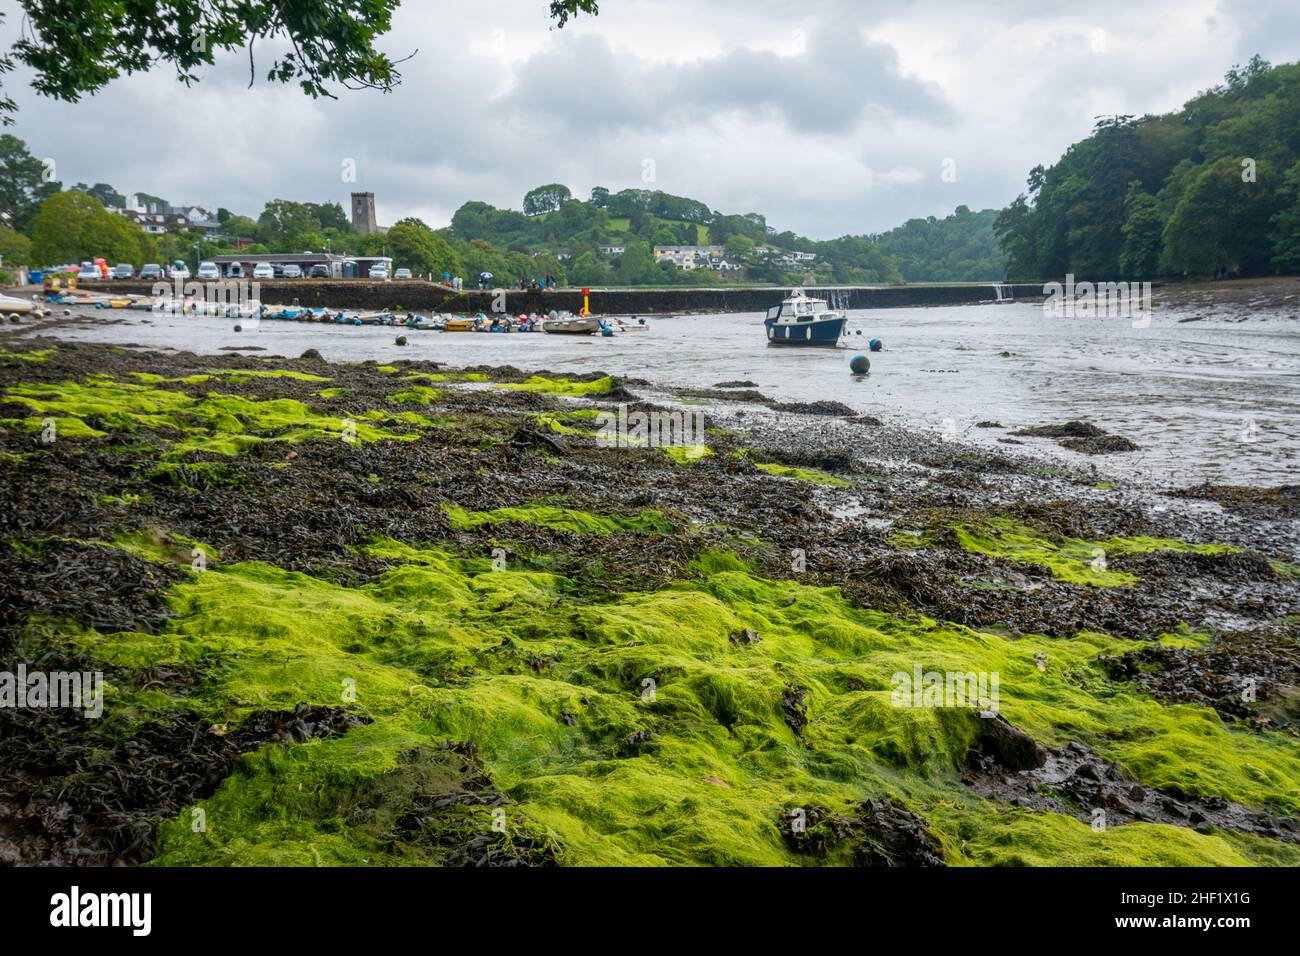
409 614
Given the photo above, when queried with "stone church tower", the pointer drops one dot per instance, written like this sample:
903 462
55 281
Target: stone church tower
363 213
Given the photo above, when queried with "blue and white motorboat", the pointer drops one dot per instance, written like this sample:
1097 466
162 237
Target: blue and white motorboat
803 320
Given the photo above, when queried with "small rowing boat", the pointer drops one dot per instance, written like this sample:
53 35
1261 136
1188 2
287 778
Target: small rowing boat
9 305
572 325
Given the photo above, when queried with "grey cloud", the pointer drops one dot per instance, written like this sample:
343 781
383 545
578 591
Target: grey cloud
1270 28
584 83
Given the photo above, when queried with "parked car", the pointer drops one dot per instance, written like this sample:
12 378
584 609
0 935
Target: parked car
320 271
291 271
152 271
379 272
209 270
180 270
264 270
88 270
235 270
123 270
402 274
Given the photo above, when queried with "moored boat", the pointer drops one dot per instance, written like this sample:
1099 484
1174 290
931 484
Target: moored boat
572 325
9 305
801 320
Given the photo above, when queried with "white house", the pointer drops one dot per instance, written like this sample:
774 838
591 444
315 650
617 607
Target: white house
686 257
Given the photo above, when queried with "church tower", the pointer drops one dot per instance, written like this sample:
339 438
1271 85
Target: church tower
363 213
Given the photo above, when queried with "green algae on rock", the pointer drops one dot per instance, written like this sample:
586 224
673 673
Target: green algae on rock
572 388
560 519
215 423
810 475
446 648
1069 559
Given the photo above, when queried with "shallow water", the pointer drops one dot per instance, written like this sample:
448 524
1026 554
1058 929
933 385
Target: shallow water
1212 400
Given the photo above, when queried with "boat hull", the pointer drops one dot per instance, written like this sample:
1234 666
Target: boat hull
10 304
824 333
571 326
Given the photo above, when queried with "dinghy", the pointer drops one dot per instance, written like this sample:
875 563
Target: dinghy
572 325
10 305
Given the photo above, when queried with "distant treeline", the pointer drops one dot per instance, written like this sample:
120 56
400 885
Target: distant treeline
959 247
1210 190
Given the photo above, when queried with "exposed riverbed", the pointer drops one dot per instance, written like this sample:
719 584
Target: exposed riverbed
1208 391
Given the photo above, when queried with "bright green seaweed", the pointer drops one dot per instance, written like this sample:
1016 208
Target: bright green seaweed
1069 559
214 423
560 519
444 647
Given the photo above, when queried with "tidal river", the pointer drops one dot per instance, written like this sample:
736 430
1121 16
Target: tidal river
1209 395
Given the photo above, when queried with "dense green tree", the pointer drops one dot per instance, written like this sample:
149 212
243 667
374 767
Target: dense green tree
739 247
283 221
962 246
1285 225
330 215
15 248
636 264
1221 224
73 226
544 199
241 227
1142 229
1208 183
22 182
104 193
1014 228
590 269
416 247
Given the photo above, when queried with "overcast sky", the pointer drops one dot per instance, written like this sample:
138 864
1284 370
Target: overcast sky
828 116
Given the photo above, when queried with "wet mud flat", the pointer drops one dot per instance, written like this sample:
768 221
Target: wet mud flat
377 614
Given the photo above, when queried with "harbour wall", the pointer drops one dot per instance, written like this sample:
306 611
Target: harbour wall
420 296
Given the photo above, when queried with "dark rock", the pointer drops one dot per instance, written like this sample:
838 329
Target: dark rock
1100 445
1072 429
1009 746
794 704
822 407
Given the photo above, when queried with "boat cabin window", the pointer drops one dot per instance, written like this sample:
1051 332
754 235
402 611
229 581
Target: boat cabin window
773 312
787 310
